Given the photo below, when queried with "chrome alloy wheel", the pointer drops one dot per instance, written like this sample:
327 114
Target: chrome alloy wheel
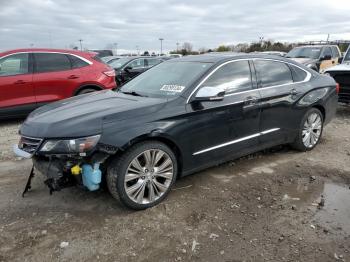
312 130
148 176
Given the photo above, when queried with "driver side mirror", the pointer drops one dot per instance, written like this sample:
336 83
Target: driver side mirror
210 93
326 57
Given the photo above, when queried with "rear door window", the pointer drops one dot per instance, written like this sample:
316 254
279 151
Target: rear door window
51 62
16 64
272 73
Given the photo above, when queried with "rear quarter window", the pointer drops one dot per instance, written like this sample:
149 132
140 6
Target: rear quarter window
77 62
298 74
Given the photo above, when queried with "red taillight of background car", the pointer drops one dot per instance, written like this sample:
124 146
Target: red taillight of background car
109 73
337 88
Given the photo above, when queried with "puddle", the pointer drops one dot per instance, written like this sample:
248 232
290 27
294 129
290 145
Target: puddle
335 214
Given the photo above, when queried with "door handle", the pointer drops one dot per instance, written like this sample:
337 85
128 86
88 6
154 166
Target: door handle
251 100
293 92
19 82
73 77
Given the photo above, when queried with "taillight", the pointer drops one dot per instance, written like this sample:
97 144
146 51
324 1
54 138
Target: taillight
337 88
110 73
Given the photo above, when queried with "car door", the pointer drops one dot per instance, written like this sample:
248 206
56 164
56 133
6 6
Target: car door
16 84
326 58
229 127
53 77
279 92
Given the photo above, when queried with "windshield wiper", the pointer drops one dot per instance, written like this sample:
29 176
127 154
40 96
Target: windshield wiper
133 93
301 56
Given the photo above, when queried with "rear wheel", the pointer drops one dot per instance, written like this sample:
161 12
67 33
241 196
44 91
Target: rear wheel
310 130
143 176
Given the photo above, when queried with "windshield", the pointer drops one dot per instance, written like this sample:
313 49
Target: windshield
166 80
120 62
305 52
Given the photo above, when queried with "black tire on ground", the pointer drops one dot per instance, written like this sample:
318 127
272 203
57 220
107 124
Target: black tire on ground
86 91
117 168
298 143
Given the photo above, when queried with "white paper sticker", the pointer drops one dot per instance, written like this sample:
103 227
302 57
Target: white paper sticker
172 88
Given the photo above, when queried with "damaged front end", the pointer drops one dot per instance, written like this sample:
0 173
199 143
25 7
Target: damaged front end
66 162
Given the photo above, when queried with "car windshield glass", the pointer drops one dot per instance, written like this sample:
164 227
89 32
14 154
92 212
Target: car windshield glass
166 80
347 56
120 62
305 52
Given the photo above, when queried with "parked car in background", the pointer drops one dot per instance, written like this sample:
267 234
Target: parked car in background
30 78
110 59
127 68
316 57
278 53
174 55
177 118
102 53
341 74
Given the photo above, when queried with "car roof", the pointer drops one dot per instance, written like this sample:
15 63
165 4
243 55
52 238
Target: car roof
218 58
317 46
70 51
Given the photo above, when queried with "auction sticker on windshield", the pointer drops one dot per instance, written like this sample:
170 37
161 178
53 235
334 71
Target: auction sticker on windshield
172 88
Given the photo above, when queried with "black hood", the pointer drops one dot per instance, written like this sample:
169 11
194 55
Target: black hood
84 115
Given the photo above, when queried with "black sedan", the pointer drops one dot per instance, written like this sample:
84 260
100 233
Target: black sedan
127 68
177 118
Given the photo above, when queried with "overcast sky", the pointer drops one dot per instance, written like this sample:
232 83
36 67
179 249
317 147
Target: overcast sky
204 23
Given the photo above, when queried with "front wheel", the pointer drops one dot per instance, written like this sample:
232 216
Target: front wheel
310 130
143 176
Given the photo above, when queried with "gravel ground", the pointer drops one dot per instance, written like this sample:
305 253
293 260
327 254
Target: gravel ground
276 205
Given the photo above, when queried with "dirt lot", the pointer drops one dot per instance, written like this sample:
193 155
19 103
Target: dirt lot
264 207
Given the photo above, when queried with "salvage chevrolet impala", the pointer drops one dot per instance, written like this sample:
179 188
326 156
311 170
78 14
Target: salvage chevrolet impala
175 119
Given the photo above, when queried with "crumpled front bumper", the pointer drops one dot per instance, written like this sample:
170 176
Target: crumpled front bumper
21 153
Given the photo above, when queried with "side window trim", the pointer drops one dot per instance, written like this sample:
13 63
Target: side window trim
307 78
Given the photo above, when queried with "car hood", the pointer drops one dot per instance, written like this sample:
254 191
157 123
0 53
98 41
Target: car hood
84 115
304 61
342 67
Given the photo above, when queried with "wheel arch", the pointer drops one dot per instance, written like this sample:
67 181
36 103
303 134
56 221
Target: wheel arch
160 138
322 109
97 87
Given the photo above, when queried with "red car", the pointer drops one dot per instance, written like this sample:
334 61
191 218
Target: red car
30 78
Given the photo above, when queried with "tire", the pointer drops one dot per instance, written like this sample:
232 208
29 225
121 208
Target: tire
303 144
136 192
86 91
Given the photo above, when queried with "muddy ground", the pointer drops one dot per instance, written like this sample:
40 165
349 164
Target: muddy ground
263 207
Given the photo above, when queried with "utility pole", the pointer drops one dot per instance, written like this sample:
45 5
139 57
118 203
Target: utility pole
261 38
138 50
116 48
161 45
81 45
177 47
328 38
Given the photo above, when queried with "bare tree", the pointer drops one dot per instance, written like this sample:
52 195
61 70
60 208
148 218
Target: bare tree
187 47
